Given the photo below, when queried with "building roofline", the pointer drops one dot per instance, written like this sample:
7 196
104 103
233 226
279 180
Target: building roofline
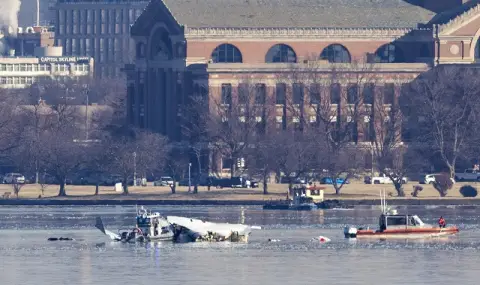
458 20
308 32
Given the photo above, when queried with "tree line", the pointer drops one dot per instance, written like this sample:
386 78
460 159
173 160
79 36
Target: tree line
341 124
62 128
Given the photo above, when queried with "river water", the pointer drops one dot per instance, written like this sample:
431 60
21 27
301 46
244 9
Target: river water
26 257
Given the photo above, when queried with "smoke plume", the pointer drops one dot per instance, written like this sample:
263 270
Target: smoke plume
9 13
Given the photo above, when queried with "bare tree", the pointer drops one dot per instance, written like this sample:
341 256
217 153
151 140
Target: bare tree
111 94
269 153
444 103
328 104
61 155
176 163
16 187
235 118
194 124
293 156
11 125
138 152
390 154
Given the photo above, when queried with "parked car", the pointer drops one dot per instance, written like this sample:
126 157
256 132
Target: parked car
468 175
183 182
288 180
164 181
329 180
254 183
427 179
112 179
382 179
11 178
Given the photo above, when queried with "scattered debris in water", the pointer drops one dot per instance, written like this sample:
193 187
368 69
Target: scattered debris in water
60 238
321 239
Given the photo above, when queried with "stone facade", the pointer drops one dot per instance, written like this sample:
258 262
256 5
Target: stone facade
176 57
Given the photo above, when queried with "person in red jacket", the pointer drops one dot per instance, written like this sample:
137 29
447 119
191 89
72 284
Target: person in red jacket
441 222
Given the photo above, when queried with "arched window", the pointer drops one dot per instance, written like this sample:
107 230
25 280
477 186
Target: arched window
160 46
281 53
388 53
226 53
335 54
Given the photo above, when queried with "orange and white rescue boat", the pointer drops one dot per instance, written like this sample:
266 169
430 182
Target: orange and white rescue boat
393 225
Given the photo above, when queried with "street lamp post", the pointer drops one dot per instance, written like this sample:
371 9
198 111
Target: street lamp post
86 115
189 179
134 169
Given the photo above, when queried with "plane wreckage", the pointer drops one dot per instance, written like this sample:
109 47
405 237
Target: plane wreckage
152 227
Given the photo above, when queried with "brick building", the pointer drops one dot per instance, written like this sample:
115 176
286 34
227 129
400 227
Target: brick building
184 46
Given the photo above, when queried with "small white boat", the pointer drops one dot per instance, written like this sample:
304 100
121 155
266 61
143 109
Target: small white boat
154 227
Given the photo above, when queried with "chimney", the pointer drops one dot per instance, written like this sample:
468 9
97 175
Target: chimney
38 13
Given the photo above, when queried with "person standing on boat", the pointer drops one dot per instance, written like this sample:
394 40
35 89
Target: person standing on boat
441 222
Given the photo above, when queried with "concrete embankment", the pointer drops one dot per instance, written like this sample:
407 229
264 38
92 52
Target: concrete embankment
345 202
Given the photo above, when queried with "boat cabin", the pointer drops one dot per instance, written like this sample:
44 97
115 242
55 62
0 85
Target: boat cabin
399 221
151 224
315 193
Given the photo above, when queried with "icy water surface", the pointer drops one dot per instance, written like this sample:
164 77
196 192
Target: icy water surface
26 257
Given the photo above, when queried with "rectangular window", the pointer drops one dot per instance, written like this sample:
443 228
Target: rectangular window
226 163
102 50
110 50
335 95
298 93
260 93
118 21
118 50
111 21
83 21
353 132
315 90
352 94
68 47
280 94
368 93
74 47
227 94
388 93
242 93
88 47
368 130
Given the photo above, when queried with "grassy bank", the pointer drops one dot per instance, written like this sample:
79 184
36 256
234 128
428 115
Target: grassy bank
353 191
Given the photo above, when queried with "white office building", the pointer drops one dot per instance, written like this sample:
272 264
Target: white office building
21 72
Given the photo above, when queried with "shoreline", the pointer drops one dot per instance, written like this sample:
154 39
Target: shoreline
166 202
